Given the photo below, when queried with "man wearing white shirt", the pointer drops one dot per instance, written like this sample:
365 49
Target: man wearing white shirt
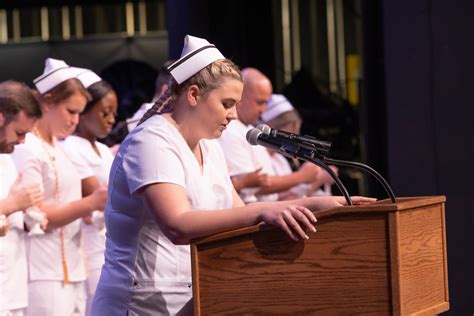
19 111
243 158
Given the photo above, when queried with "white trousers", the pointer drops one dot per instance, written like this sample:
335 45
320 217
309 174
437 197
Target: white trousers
54 298
13 312
93 276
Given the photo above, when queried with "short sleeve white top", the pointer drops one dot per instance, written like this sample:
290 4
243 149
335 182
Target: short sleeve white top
137 116
13 269
141 262
241 157
88 163
37 161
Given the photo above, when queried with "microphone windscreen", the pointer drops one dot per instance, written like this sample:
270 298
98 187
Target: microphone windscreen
252 136
264 128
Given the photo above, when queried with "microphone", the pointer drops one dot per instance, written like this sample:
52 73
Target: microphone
322 146
281 145
292 149
310 149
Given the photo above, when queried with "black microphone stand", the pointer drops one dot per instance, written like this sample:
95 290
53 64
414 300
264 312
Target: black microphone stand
366 168
311 154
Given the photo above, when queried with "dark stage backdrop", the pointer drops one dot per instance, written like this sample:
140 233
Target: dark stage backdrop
130 64
419 75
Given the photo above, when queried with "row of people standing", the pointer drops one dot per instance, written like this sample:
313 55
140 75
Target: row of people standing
62 267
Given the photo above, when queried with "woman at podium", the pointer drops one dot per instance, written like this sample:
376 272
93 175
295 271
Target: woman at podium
168 185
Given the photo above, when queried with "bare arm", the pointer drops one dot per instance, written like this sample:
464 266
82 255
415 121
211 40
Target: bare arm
322 178
60 215
168 203
282 183
89 185
250 180
306 173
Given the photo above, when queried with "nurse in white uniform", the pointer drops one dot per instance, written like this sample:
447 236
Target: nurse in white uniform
169 184
55 260
93 158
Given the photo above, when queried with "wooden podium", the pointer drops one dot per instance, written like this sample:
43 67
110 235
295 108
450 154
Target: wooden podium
378 259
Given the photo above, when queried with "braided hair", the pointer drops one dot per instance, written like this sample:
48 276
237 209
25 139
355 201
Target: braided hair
207 79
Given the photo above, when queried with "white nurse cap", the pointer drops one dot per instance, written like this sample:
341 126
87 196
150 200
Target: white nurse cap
87 77
197 54
55 72
277 105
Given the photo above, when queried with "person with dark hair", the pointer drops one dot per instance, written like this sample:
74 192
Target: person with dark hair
169 184
19 111
56 280
93 161
122 128
161 85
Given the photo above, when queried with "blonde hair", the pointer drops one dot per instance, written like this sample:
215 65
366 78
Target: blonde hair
206 79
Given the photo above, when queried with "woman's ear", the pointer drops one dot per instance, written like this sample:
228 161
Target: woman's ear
193 95
46 104
2 119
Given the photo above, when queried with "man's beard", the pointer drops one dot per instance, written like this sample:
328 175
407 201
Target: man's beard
6 148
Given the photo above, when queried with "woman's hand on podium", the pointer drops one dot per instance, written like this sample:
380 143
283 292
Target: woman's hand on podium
293 219
326 202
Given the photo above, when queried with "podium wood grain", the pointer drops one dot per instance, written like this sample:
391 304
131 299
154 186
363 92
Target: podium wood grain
380 259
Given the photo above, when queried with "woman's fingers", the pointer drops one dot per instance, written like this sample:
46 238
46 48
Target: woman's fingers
300 220
294 226
362 200
294 220
309 214
284 226
356 200
35 194
305 218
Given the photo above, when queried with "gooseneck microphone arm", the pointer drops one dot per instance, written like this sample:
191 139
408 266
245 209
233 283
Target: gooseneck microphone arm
310 149
366 168
336 179
295 150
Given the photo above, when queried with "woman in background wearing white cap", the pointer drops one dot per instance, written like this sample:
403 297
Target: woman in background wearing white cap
93 161
169 185
55 259
281 115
